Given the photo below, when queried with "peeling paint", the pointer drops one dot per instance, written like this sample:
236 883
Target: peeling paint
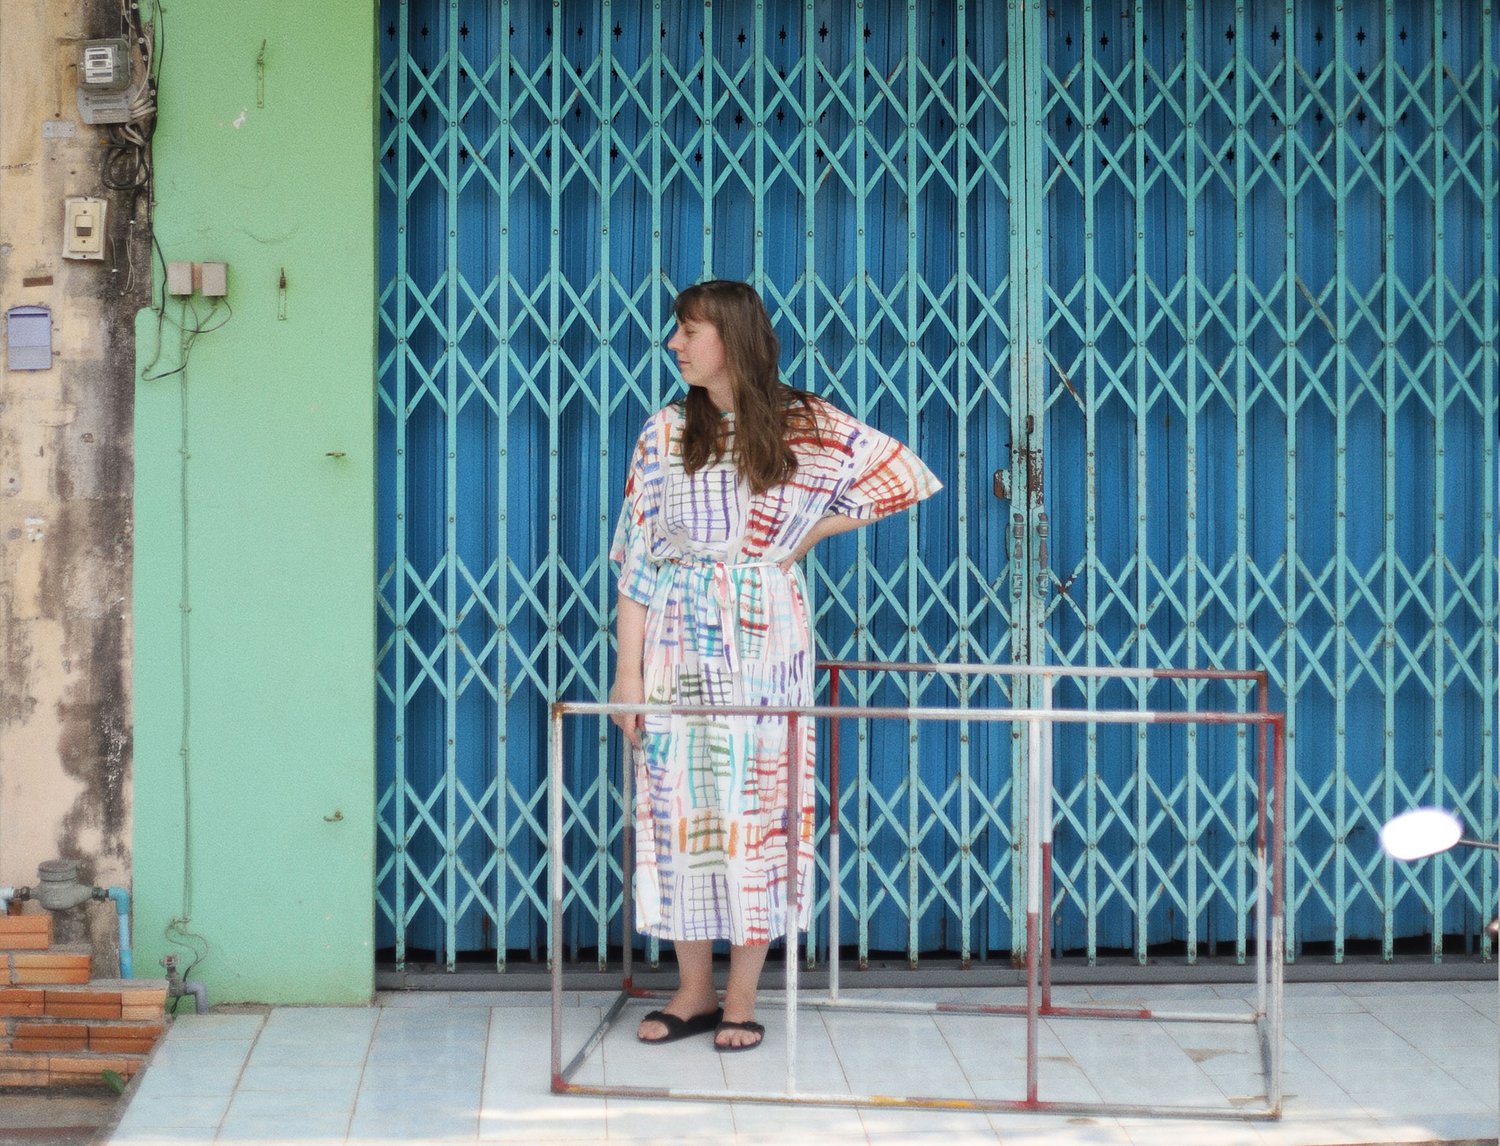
66 490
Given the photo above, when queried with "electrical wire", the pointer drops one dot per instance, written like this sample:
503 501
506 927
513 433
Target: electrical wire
190 325
126 160
127 167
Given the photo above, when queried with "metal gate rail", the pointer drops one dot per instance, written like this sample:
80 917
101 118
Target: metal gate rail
1045 676
1267 1017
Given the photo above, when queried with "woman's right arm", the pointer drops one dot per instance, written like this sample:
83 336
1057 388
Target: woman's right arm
630 651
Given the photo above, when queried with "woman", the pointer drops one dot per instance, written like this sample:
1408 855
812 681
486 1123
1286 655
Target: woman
728 489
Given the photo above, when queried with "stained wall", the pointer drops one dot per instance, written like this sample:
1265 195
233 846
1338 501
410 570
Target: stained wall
66 472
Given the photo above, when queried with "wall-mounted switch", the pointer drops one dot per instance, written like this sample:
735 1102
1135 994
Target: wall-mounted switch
83 228
180 279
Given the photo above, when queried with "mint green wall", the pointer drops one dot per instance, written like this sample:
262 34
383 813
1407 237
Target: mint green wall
280 535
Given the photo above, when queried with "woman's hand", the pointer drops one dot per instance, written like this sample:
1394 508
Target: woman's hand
630 639
796 555
627 691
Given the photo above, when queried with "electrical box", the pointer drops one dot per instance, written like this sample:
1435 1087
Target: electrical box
104 65
211 280
214 279
179 279
28 338
106 93
83 228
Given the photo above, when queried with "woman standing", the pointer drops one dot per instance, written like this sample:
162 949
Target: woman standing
728 489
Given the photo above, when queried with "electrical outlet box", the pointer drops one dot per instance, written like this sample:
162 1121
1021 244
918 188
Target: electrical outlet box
83 228
180 279
213 279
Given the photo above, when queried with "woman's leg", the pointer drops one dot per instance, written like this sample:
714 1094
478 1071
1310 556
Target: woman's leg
745 964
695 986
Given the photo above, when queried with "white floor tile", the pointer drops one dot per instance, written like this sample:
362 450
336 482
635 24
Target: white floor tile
209 1027
669 1121
291 1104
763 1070
416 1123
156 1110
544 1117
688 1064
1049 1129
131 1134
189 1080
1178 1132
949 1126
1442 1127
1364 1063
280 1076
173 1052
273 1130
767 1122
897 1055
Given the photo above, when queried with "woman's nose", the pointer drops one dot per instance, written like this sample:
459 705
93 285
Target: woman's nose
675 342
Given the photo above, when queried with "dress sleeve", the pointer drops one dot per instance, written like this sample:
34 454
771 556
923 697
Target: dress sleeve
631 548
888 477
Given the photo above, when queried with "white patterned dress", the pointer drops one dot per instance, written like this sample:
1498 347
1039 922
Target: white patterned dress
725 625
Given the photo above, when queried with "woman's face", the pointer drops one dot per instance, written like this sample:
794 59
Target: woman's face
701 359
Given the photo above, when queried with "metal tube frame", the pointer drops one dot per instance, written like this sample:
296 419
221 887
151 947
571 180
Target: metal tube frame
1268 1016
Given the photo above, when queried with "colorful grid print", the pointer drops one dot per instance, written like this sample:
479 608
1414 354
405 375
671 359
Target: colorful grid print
726 625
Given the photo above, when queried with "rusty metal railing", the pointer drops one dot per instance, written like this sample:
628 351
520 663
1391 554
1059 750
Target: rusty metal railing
1267 1016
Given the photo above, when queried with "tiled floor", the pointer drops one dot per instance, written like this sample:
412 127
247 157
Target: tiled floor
1364 1063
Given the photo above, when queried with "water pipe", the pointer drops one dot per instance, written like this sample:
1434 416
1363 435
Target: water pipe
58 889
121 899
6 895
178 986
200 995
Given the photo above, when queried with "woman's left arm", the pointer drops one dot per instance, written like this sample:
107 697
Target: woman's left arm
833 524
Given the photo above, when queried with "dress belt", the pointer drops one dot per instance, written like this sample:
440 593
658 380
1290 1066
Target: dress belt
710 563
729 608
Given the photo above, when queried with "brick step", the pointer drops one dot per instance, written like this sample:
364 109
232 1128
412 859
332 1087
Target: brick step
103 1036
71 1034
73 1068
57 965
100 999
26 932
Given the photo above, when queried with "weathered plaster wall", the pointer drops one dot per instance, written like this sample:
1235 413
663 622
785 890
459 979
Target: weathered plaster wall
65 473
260 850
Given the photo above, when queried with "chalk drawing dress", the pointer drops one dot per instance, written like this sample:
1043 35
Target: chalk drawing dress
725 625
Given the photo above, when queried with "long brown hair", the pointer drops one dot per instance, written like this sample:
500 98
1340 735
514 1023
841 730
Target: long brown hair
766 411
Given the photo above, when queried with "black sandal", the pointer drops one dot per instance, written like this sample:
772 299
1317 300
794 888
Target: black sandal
727 1048
680 1028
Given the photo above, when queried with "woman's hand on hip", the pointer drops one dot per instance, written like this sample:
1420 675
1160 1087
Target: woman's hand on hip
825 527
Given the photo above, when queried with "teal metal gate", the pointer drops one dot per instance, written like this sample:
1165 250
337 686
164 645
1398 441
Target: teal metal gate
1207 296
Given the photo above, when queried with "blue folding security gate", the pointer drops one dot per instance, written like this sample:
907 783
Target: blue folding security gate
1192 307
